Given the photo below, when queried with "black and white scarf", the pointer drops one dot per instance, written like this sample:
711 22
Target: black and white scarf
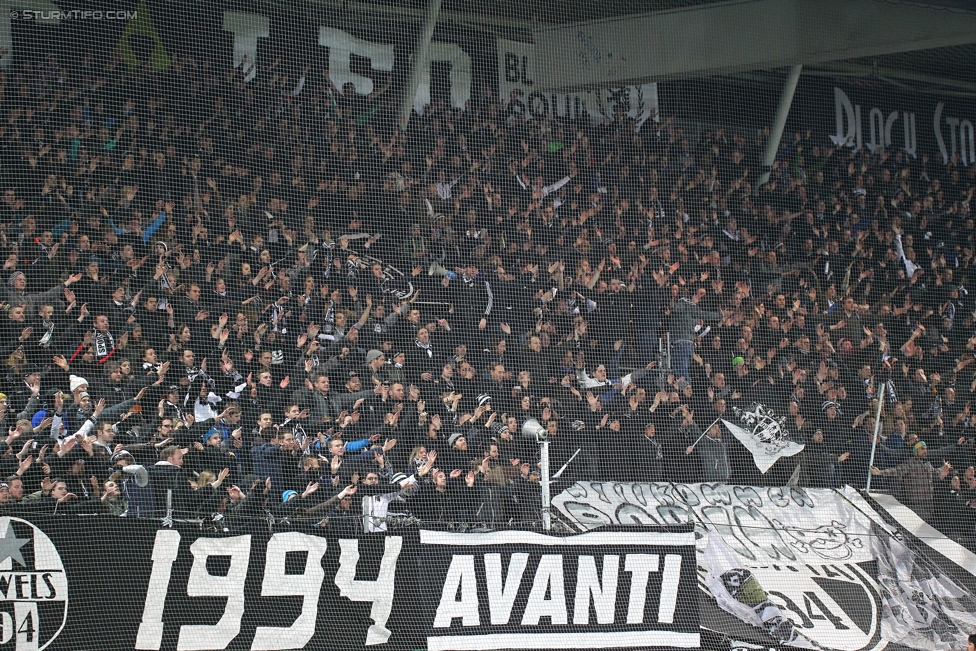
48 335
278 318
178 409
329 255
297 429
239 383
425 347
104 343
328 324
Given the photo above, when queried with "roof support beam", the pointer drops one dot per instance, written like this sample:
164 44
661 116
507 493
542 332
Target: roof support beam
776 134
737 36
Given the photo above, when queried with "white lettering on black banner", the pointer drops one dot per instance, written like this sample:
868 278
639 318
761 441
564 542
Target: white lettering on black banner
607 588
275 584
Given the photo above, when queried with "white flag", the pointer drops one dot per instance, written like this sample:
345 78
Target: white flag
767 441
737 591
924 608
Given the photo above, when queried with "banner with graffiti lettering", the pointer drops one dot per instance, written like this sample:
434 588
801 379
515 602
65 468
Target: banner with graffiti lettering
804 568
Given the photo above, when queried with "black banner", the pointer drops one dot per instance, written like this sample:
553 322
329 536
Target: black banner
76 583
79 583
517 589
840 111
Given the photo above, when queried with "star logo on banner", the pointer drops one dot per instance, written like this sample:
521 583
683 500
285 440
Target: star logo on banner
10 546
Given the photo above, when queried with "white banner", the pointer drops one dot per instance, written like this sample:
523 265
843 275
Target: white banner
923 608
816 568
460 75
247 29
762 525
517 86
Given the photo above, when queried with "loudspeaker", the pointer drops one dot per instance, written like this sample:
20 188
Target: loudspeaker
435 269
533 429
141 475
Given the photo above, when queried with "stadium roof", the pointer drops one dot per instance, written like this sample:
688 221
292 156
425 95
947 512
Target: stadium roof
558 12
944 70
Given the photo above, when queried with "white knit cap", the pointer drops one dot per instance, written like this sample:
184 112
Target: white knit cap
76 382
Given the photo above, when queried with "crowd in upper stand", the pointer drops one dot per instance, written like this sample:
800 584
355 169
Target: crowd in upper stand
265 300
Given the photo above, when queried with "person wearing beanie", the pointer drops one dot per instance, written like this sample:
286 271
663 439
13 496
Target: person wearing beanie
375 361
831 422
76 383
25 389
17 292
378 497
288 495
458 457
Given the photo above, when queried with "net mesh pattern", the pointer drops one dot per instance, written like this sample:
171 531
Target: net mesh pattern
248 284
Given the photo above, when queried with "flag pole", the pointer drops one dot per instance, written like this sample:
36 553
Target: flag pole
877 427
566 465
705 432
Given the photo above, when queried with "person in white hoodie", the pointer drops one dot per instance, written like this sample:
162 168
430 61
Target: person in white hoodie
377 498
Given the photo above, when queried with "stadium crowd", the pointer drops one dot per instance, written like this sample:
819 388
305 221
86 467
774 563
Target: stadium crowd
266 300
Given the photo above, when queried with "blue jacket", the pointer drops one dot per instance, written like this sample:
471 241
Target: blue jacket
356 446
